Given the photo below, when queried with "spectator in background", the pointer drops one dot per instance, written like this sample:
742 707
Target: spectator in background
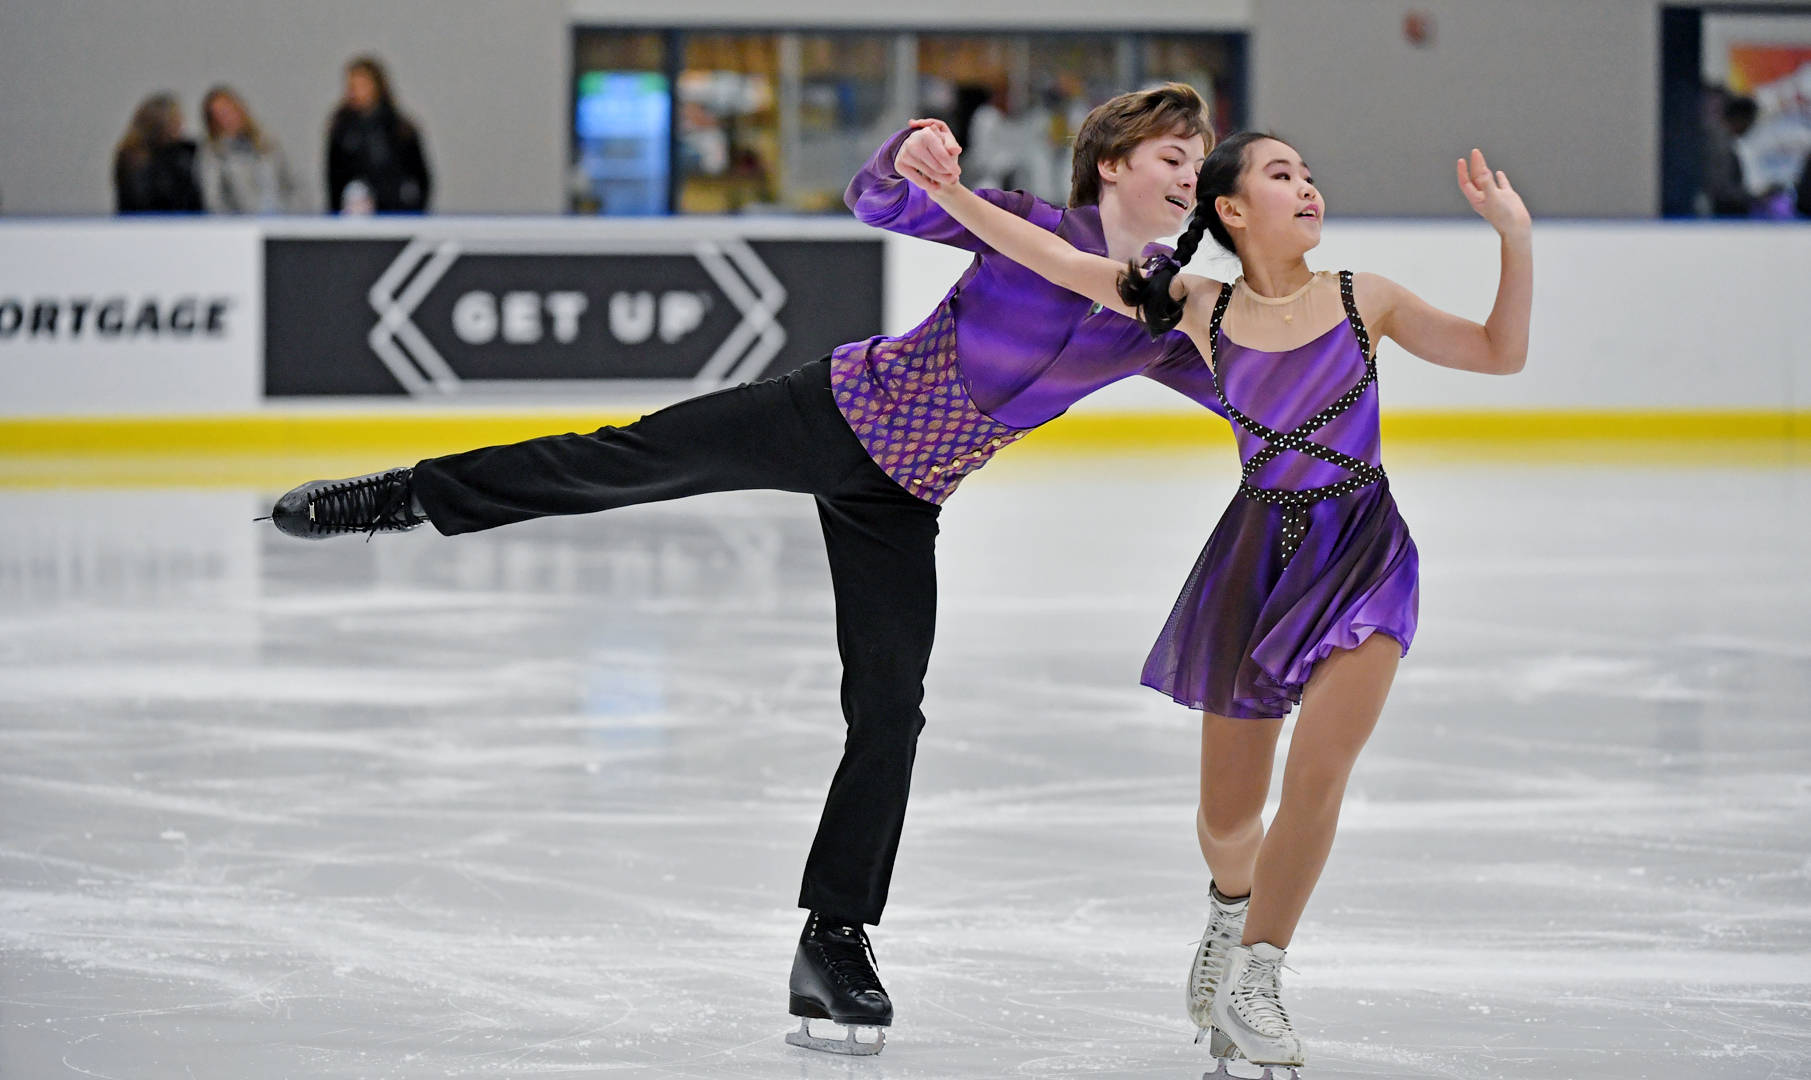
1772 150
153 165
1724 182
375 160
1009 151
243 170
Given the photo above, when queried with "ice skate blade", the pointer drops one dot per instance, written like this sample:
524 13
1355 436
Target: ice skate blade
1227 1068
848 1044
1218 1043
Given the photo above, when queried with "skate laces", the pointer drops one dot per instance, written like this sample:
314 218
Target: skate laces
369 504
1259 1000
851 962
1223 929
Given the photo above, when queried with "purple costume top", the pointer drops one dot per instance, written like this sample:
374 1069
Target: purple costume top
1312 555
1003 352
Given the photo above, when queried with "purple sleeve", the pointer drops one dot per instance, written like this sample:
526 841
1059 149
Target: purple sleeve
886 200
1182 369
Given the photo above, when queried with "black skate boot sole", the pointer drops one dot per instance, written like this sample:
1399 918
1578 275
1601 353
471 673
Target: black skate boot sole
806 1008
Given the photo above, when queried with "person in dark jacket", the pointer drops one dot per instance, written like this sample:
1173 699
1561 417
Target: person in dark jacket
1725 184
374 152
153 165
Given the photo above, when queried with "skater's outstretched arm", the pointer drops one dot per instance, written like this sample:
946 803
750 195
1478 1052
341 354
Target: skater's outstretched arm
1500 345
1049 255
881 196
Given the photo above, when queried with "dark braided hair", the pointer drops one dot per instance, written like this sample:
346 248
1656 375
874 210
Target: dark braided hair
1148 289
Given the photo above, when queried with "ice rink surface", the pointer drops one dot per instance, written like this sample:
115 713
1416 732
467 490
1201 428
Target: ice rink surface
535 802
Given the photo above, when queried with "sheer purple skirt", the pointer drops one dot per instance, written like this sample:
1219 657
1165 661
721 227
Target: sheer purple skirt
1246 632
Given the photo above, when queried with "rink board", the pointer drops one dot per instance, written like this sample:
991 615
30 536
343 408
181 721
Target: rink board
274 336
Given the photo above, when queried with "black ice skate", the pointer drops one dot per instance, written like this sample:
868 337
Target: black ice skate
833 979
378 502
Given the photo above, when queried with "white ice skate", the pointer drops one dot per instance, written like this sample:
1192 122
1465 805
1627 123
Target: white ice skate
1249 1021
1225 926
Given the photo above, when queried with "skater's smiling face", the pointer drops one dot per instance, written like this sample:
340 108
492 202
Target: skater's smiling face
1154 184
1274 205
1136 157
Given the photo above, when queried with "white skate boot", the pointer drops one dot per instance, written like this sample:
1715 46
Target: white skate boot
1248 1015
1225 926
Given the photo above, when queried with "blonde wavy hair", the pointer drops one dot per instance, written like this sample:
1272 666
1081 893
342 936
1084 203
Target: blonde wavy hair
252 131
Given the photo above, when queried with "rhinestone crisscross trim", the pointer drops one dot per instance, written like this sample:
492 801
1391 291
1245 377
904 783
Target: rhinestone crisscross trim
1295 503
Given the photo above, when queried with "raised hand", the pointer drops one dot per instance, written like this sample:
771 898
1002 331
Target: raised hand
1491 196
928 156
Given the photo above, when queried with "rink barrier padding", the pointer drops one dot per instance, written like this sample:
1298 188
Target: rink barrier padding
272 452
426 434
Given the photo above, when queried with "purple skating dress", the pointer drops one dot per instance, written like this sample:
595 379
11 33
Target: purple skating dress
1311 556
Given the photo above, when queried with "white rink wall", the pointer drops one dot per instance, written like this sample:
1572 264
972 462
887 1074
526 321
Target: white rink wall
1635 316
1628 316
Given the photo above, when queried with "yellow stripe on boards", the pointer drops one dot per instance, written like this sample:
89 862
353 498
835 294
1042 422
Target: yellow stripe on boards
435 433
271 449
420 434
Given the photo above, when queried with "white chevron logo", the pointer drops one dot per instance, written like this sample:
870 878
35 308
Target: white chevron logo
418 366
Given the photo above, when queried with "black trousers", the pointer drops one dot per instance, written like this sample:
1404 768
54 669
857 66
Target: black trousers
784 434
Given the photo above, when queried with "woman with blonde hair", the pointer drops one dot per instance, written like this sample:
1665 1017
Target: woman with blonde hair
153 165
243 170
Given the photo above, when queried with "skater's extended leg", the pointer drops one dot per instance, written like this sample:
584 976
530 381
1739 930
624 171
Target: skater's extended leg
783 433
1340 707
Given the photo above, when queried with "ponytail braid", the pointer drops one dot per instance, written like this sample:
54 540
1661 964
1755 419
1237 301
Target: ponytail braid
1148 290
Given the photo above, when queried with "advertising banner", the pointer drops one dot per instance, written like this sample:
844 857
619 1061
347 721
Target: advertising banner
538 317
117 317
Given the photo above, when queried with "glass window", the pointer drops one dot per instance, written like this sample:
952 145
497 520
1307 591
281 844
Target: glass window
729 123
848 101
779 120
1211 63
622 123
1015 101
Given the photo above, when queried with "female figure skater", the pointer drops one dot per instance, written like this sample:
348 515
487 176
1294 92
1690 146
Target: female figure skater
880 432
1307 590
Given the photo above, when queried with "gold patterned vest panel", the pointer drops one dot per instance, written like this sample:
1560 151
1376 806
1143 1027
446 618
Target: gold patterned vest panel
905 400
